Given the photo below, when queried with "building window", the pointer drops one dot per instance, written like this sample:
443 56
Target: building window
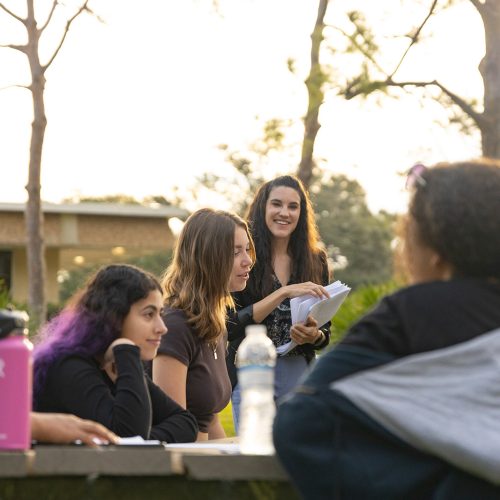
5 269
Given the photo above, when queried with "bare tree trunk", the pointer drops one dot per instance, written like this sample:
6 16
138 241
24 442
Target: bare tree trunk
490 71
314 84
34 215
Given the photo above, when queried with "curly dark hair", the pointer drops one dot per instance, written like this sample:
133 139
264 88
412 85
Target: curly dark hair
308 257
457 211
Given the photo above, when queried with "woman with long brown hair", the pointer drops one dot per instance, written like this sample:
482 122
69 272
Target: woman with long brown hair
212 258
290 263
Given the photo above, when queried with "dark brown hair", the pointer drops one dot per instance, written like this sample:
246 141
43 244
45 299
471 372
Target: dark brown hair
308 258
457 212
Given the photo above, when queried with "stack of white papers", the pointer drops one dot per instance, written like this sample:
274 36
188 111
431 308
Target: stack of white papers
138 441
322 310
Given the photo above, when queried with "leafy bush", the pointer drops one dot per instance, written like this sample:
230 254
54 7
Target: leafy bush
357 303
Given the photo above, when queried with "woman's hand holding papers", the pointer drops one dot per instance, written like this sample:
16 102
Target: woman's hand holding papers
305 333
306 288
265 306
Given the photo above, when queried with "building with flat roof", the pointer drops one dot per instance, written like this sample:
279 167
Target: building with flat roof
81 234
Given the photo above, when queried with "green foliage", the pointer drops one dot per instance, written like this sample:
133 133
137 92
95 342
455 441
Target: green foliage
76 278
112 198
362 38
358 241
155 263
4 295
53 309
358 303
226 420
7 303
124 199
159 199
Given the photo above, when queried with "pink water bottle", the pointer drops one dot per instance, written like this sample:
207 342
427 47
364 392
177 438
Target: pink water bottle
15 381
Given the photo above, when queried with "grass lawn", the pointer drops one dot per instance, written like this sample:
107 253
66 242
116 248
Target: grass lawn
226 419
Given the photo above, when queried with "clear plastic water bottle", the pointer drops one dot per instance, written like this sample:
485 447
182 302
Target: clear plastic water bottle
255 361
15 381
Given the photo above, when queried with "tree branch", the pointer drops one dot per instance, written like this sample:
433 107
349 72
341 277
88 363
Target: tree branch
66 29
51 13
477 4
27 87
15 16
463 105
414 38
20 48
352 38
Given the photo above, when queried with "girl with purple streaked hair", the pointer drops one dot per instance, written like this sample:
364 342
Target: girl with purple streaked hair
88 359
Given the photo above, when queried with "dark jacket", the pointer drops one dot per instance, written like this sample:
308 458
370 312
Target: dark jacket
332 449
336 444
238 319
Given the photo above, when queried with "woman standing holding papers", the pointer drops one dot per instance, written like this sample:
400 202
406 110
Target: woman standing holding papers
212 258
290 263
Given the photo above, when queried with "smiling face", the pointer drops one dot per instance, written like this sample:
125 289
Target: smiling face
242 261
144 326
282 211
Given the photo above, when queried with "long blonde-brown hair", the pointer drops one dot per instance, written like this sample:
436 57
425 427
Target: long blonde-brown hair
197 281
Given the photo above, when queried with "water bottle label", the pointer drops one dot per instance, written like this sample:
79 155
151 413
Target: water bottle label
255 375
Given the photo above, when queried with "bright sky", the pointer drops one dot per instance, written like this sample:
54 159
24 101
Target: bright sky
139 104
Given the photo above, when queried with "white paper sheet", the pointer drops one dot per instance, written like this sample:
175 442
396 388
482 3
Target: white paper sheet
231 448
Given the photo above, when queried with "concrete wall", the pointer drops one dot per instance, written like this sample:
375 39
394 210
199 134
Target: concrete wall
68 235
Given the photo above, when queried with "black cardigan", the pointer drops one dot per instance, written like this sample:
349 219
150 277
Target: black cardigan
242 316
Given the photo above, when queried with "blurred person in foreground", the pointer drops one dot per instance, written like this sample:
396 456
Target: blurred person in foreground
407 404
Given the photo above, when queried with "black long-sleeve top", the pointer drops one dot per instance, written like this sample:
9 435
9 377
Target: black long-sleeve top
131 406
279 319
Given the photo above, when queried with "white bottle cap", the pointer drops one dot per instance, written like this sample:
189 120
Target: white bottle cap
255 329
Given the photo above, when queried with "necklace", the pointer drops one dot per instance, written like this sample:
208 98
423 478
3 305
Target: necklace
213 347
